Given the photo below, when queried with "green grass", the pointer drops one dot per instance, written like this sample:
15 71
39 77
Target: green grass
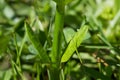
59 40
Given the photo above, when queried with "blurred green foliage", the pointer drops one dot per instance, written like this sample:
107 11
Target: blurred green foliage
100 50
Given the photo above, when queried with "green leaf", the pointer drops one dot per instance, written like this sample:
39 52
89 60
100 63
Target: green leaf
4 40
65 1
68 33
95 74
68 1
8 74
36 43
108 71
74 43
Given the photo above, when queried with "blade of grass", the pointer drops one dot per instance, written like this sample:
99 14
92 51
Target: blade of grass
36 43
8 74
20 50
107 43
17 50
95 74
14 71
96 46
38 66
19 71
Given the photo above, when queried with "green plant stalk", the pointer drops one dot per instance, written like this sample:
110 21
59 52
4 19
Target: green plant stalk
12 66
17 51
81 62
117 6
38 71
57 41
14 72
62 75
99 66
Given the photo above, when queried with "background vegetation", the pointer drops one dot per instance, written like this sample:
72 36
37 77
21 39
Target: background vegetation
28 49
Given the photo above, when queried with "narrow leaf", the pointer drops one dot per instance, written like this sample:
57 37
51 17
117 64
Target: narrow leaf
36 43
7 75
74 43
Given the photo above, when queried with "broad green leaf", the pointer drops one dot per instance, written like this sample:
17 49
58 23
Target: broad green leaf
36 43
74 43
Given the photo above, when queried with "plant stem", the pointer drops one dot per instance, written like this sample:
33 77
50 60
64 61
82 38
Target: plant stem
117 6
17 50
56 49
79 57
57 41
